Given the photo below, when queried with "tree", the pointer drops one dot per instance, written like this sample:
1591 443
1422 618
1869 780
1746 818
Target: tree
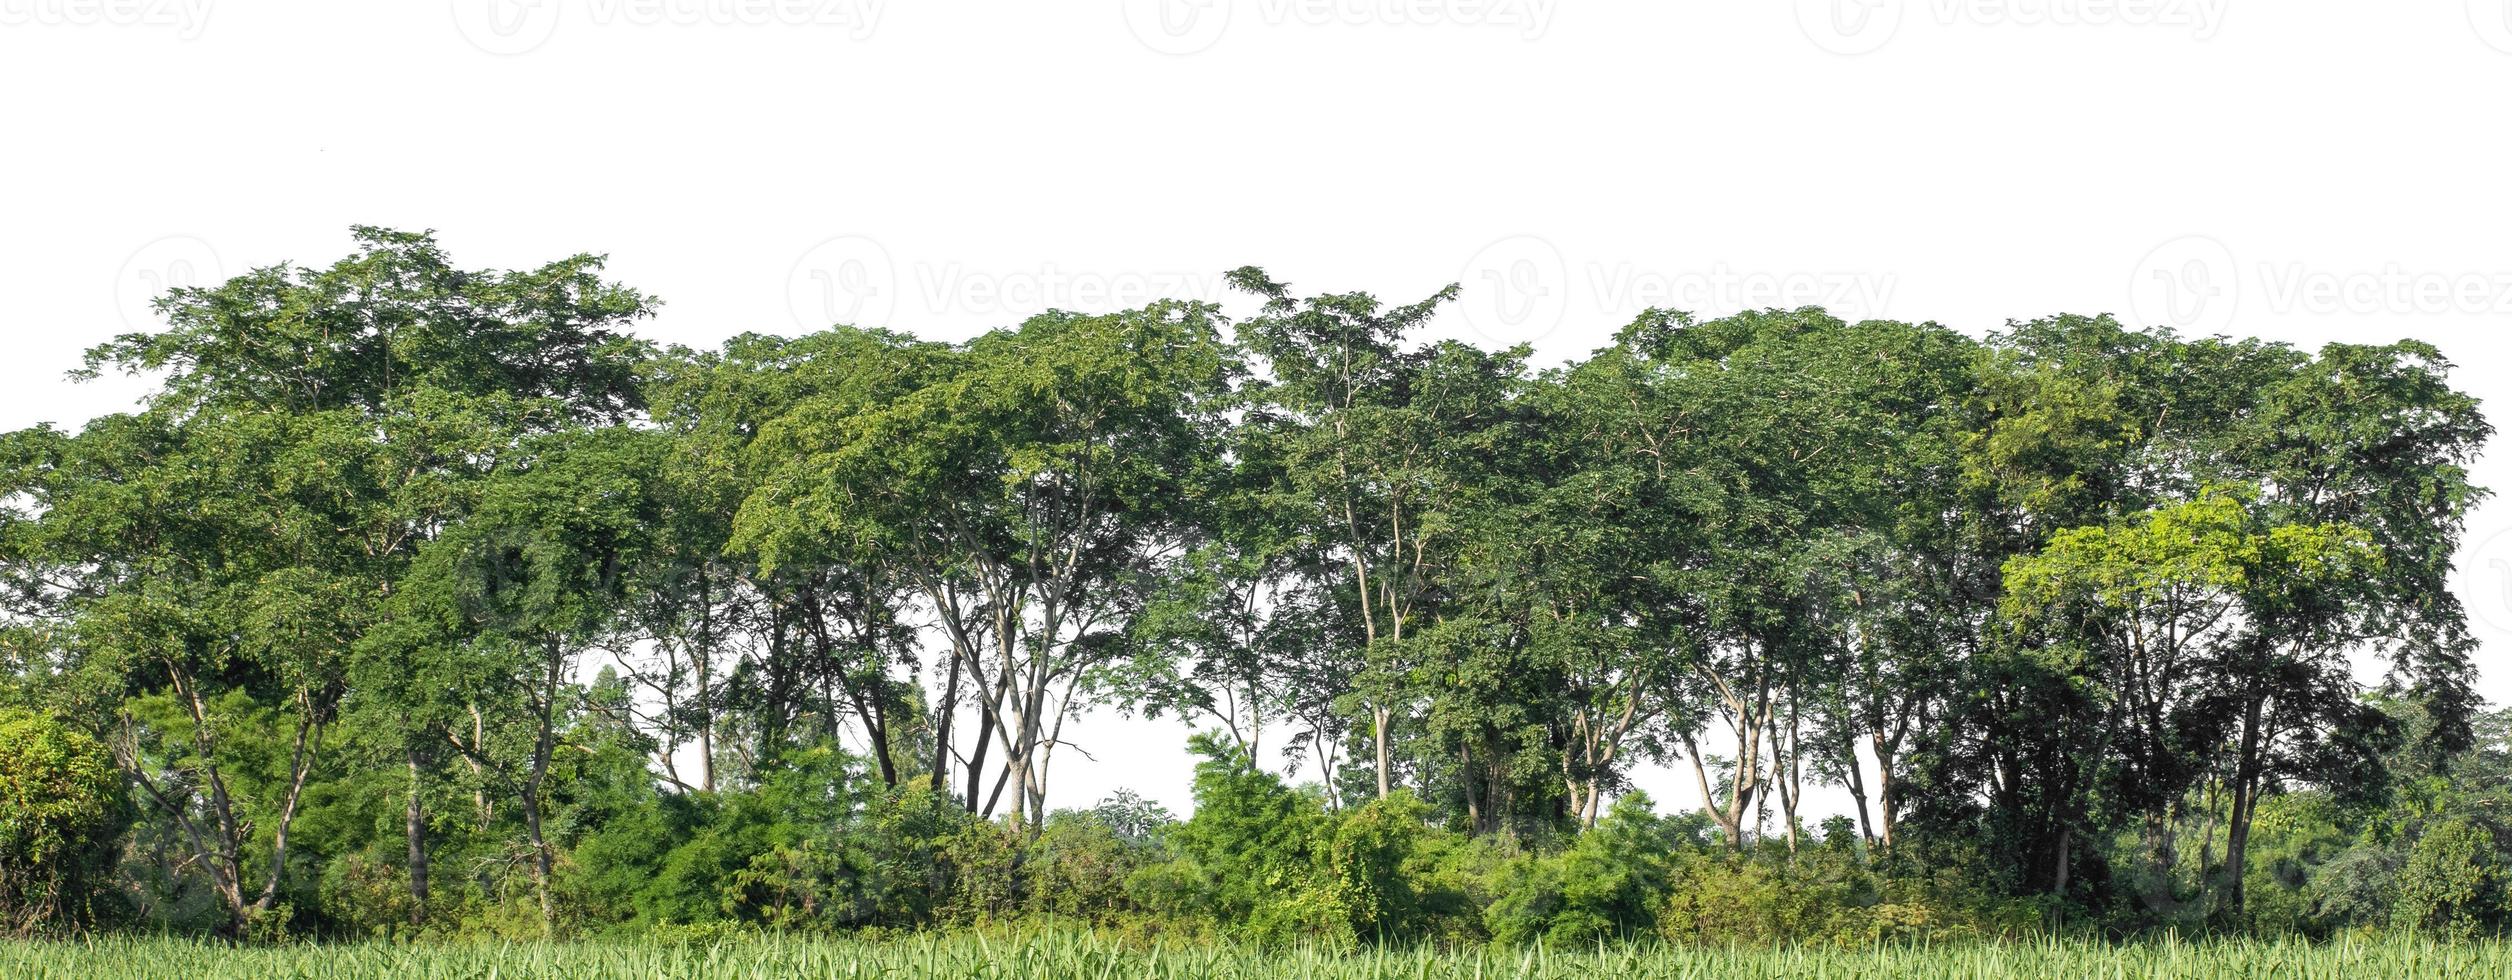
2087 599
1372 437
2161 608
2073 422
1021 493
1763 439
1211 642
1252 839
822 629
313 427
508 601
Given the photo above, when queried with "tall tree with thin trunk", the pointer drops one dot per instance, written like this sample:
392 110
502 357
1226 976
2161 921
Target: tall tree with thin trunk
1020 493
312 428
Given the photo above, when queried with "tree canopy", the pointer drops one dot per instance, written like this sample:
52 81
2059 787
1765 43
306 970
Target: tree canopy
415 592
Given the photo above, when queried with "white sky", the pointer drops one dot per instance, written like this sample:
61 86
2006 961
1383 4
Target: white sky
2302 170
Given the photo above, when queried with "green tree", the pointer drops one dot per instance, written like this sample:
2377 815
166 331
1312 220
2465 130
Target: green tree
1025 494
312 428
827 616
1365 430
507 602
2157 609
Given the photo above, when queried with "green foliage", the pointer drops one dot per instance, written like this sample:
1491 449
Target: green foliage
1370 864
711 953
2294 875
2454 881
423 602
62 811
1607 886
1251 844
1078 867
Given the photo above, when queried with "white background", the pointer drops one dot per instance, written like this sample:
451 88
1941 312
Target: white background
2303 170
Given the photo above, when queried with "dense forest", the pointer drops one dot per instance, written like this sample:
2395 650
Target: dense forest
422 601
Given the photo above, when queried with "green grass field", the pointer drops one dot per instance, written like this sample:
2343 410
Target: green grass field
1080 956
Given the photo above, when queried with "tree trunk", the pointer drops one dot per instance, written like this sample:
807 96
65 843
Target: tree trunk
309 743
704 664
1857 790
479 774
1887 792
977 760
942 730
706 730
1378 738
414 829
2058 887
541 863
226 864
2245 801
544 743
1784 771
1730 819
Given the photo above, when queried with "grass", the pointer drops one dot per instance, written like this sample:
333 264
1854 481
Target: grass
1075 955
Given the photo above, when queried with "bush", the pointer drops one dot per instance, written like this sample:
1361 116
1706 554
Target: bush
365 896
1764 901
1607 885
1828 895
616 874
1251 843
2453 884
1370 867
1079 866
2292 835
62 814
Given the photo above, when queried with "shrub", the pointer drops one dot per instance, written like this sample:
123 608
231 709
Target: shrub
2291 835
1369 865
365 896
1079 865
62 814
1607 885
1760 901
2453 883
1251 840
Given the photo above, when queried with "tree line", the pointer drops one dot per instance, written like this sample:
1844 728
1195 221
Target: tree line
2064 609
